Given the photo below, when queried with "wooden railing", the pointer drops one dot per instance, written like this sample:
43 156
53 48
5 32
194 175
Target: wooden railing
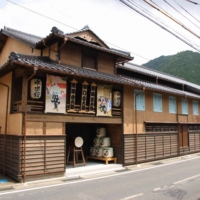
38 107
32 106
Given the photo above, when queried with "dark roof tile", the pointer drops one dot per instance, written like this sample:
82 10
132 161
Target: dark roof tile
154 73
24 37
47 64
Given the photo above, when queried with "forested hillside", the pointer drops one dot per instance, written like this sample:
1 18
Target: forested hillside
185 64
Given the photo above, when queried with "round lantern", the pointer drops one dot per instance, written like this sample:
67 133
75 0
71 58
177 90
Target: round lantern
116 98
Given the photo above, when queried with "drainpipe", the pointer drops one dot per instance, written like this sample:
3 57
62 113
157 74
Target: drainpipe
6 124
156 80
25 114
179 123
136 143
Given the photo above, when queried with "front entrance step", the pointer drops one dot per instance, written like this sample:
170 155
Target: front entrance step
91 168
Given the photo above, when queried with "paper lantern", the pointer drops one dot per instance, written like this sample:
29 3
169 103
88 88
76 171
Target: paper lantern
36 88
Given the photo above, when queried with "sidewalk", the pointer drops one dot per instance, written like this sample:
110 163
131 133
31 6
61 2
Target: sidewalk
92 169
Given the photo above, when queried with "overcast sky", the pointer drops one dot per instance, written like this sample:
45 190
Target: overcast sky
112 21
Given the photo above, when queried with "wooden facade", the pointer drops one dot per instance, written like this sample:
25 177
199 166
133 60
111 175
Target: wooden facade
34 138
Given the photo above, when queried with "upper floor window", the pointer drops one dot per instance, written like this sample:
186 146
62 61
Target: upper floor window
139 99
89 59
185 106
195 108
172 104
157 102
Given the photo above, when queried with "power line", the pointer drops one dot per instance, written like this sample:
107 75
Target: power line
153 16
43 15
186 11
172 18
131 7
193 2
180 13
69 26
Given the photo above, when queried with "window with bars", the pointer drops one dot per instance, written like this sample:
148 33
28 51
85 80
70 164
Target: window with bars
195 127
159 127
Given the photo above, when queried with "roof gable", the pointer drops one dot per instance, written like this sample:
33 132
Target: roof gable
88 35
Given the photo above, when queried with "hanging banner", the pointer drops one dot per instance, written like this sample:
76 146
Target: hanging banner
104 100
55 94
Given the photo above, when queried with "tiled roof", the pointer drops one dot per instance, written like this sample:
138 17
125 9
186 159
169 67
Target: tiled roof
73 39
150 72
33 40
46 64
22 36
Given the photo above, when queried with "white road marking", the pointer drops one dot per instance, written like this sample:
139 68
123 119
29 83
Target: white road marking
156 189
102 177
187 179
131 197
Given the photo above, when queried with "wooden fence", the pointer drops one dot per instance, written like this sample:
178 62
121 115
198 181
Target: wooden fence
194 141
152 146
45 155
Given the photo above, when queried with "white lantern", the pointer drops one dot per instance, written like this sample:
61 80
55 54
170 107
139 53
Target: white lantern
36 88
116 98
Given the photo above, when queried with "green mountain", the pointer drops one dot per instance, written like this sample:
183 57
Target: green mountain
185 65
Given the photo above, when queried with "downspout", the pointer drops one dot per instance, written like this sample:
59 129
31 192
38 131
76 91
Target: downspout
179 124
6 124
25 114
136 133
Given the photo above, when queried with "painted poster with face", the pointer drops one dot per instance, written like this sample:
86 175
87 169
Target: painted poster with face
104 100
55 94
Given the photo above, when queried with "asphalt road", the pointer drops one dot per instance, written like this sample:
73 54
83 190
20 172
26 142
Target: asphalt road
179 180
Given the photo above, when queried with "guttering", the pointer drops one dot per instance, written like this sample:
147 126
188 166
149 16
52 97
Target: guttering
6 124
136 133
35 68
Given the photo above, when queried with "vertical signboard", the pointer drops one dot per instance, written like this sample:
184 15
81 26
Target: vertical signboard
55 94
104 100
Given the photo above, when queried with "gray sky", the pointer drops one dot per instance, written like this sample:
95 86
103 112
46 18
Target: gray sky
111 20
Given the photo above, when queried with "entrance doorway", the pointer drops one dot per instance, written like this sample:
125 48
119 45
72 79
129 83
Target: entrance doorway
86 131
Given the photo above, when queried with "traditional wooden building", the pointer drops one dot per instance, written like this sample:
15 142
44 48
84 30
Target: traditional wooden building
68 85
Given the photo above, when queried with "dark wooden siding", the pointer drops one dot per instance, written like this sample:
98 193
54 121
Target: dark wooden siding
194 141
12 156
150 147
44 155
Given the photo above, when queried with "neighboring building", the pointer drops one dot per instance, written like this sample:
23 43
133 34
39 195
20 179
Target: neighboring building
67 85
